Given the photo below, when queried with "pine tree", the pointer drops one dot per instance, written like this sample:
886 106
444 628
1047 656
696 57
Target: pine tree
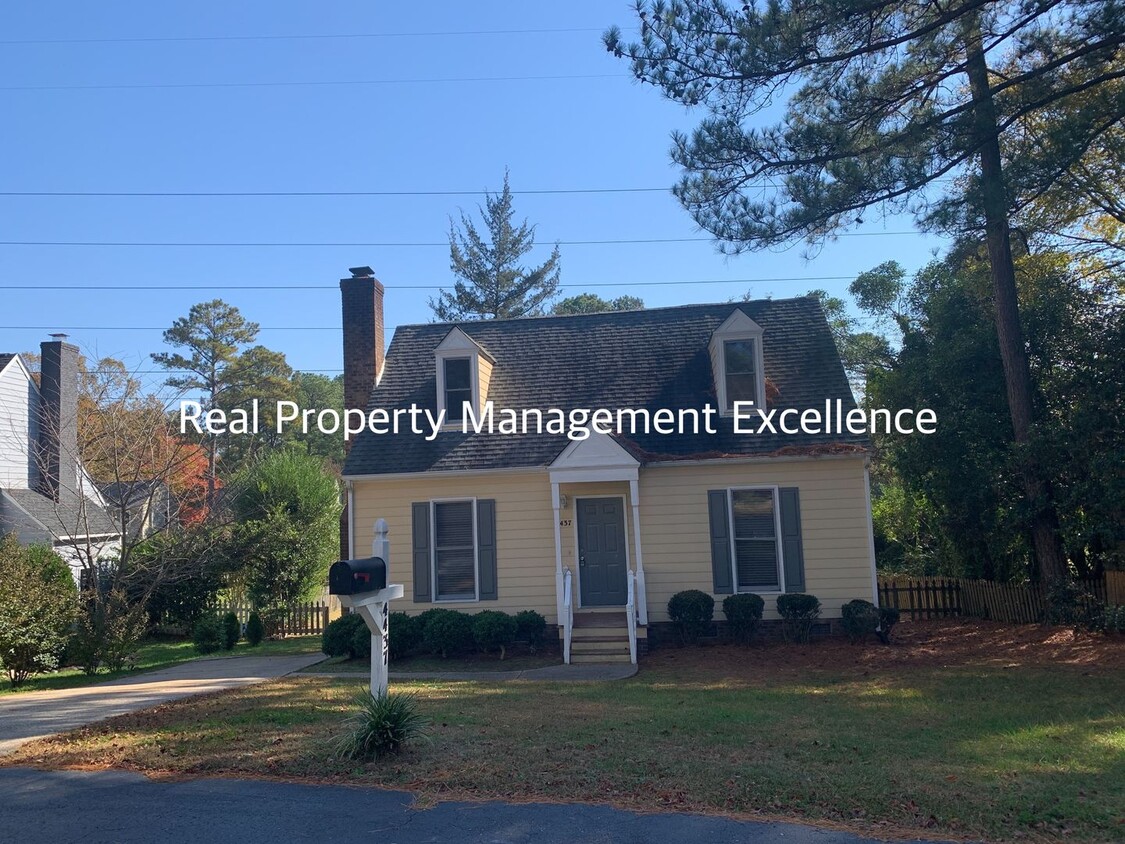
885 100
491 281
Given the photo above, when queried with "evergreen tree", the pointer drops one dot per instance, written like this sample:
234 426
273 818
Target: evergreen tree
885 100
592 303
491 281
215 337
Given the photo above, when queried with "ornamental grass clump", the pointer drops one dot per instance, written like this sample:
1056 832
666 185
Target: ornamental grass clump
382 726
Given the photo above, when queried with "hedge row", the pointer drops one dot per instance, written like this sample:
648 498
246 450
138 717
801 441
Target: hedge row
437 631
692 611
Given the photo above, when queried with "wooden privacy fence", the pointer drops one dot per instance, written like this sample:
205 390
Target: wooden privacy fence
1016 603
304 619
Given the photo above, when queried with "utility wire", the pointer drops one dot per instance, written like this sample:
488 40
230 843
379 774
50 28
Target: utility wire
272 287
332 193
308 83
387 245
303 37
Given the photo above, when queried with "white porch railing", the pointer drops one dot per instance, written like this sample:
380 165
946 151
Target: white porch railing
567 614
631 616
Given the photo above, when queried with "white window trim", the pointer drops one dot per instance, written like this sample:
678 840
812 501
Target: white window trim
777 538
726 408
474 381
433 552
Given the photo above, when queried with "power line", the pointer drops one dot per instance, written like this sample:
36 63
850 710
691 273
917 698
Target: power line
314 193
303 37
313 83
157 327
326 287
385 245
128 372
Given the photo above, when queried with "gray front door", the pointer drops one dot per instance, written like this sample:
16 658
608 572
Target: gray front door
601 552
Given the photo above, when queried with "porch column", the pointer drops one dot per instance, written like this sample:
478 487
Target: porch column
558 555
642 595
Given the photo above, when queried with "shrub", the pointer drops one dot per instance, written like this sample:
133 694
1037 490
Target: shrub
691 611
207 635
108 631
1068 604
494 630
382 725
798 612
36 607
338 637
531 627
405 634
744 614
448 634
359 647
860 619
1114 620
255 630
888 618
232 631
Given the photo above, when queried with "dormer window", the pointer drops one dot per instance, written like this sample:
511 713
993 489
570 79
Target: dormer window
458 387
740 360
463 371
736 358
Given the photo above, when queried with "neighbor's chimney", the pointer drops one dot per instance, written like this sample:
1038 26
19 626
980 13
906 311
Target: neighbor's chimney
362 297
58 417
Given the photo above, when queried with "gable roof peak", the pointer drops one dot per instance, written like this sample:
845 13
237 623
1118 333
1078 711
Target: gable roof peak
739 322
458 341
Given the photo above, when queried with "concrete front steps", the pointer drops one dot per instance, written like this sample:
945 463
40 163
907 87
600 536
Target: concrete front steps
601 635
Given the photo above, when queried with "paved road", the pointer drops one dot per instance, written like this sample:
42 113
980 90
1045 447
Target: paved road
126 808
30 715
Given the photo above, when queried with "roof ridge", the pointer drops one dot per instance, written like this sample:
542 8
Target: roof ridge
539 317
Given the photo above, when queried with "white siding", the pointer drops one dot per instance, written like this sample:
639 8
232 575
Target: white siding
18 427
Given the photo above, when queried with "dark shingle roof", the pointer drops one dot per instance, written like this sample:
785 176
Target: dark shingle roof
5 359
70 516
655 358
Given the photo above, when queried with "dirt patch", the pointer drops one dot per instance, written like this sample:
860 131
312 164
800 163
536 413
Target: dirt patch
937 643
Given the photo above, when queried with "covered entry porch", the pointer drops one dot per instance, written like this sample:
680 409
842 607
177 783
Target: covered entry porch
599 559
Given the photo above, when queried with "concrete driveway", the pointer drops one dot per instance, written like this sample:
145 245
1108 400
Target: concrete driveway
45 807
30 715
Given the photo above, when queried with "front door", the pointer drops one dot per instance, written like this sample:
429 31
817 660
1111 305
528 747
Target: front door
601 552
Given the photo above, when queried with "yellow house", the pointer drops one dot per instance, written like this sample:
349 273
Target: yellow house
597 526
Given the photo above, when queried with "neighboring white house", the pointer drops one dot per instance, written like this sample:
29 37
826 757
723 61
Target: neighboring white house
46 496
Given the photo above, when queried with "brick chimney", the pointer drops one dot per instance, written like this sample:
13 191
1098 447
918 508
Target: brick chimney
362 299
58 417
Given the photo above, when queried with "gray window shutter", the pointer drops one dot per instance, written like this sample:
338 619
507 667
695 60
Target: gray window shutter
791 551
486 547
719 517
420 533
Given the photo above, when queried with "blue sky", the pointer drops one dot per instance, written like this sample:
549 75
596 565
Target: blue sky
66 131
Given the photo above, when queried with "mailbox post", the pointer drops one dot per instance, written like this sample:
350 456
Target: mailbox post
362 586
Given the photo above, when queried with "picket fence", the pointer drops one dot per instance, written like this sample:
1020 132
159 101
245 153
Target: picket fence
302 619
1016 603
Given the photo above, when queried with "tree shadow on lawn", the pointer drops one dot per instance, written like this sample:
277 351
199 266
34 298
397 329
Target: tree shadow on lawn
978 751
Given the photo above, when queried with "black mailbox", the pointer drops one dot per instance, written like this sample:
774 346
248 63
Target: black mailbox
352 577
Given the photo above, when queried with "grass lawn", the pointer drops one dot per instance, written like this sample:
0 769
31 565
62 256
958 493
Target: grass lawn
160 653
474 662
1024 741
